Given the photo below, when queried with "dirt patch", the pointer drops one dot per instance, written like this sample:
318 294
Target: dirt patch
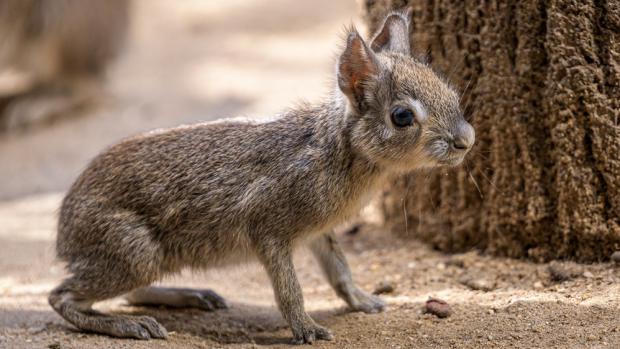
527 307
541 86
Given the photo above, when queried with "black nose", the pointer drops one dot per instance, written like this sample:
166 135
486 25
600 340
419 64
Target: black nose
459 144
464 137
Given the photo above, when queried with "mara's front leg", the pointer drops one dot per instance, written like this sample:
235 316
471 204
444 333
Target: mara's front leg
336 269
277 259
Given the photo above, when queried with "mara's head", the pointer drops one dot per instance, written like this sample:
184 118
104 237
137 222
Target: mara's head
402 114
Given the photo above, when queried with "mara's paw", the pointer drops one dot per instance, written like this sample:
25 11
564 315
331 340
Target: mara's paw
204 299
154 329
138 327
309 333
368 303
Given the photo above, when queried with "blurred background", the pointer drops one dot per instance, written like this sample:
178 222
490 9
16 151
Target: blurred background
77 76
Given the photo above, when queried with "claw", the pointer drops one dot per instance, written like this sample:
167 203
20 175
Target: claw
311 333
153 327
214 299
203 303
362 301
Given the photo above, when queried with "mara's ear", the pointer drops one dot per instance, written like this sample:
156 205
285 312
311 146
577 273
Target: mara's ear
394 34
356 66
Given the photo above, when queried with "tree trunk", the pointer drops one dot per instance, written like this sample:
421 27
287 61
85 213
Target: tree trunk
542 89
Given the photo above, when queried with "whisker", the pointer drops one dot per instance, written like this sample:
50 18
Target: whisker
406 218
404 201
466 109
456 67
480 155
465 90
484 151
491 183
475 183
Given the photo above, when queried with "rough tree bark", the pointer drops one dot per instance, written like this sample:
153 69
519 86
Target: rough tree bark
542 88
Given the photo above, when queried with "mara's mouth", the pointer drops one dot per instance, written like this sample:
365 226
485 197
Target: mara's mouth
451 160
446 154
443 161
440 153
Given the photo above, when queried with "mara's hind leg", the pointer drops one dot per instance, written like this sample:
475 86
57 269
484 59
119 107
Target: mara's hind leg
335 267
176 297
108 254
74 302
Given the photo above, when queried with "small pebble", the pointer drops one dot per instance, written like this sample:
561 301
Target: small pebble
437 307
384 287
587 274
615 257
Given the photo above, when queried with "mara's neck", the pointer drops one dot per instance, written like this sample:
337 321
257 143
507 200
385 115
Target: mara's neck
331 125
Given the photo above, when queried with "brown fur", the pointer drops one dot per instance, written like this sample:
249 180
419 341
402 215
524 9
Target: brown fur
206 195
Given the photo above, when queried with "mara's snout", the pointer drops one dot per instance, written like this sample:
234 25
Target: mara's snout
460 142
464 138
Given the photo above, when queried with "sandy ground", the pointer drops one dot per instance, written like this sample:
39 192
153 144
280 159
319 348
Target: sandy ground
495 302
190 61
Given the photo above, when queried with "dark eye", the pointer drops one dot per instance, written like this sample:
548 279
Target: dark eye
402 117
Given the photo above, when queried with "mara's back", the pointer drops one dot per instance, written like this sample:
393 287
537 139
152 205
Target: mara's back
177 181
216 184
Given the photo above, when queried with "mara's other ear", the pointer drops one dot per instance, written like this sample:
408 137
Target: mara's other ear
357 64
394 34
